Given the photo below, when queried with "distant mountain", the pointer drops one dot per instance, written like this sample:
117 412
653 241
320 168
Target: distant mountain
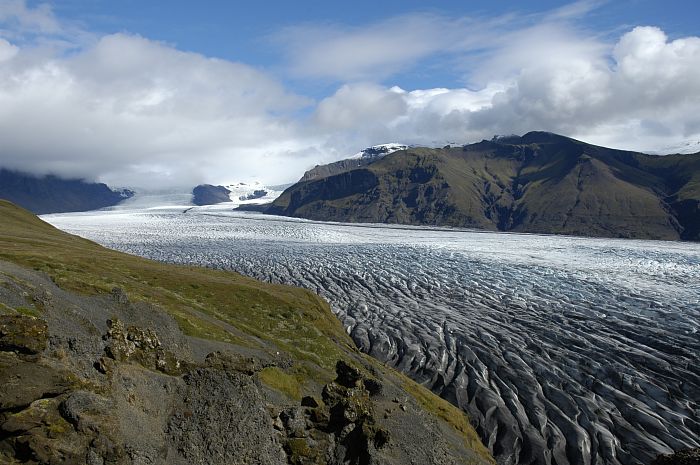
206 194
240 193
540 183
363 158
50 194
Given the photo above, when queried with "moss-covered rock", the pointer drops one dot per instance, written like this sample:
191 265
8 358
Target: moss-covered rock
25 381
343 429
139 345
23 334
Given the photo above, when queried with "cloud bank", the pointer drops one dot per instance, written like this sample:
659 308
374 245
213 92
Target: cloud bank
135 112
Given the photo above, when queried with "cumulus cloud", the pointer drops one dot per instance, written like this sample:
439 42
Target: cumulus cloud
639 93
135 112
129 107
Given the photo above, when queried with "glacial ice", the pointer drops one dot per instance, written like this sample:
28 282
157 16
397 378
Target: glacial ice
561 350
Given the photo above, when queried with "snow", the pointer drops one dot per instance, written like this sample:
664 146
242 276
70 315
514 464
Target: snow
177 200
378 151
240 191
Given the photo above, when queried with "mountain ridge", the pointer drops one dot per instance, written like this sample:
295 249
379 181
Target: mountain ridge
51 194
539 183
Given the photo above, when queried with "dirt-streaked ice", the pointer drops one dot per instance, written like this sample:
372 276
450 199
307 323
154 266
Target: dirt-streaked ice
562 350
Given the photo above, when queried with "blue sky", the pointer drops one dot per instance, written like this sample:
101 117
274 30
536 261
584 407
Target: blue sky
173 93
245 31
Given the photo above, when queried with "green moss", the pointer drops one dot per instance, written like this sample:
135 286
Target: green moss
278 380
299 452
59 427
4 309
28 311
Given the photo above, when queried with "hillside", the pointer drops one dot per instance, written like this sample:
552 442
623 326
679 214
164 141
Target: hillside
50 194
111 358
538 183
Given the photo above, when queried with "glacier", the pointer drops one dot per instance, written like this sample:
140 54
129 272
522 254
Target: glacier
562 350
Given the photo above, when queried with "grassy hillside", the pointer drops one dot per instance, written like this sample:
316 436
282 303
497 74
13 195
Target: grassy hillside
540 182
220 306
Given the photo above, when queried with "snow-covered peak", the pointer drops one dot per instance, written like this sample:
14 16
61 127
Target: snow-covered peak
378 151
244 193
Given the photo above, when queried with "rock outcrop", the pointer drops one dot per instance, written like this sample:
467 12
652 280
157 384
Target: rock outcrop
206 194
682 457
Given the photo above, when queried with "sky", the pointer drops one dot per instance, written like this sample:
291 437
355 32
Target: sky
156 94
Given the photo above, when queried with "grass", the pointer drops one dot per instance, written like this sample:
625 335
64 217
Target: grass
278 380
206 303
27 311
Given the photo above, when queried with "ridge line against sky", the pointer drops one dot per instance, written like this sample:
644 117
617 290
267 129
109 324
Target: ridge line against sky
116 94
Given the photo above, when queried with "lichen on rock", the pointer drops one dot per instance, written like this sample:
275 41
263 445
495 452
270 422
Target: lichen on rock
343 429
140 345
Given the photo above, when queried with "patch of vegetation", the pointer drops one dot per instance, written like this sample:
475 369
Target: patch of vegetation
28 311
278 380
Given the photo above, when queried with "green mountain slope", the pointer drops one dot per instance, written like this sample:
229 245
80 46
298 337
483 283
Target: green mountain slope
540 182
122 359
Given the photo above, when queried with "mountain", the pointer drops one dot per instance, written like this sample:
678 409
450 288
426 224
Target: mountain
537 183
50 194
111 358
363 158
240 193
206 194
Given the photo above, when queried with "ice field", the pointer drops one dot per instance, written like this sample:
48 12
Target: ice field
562 350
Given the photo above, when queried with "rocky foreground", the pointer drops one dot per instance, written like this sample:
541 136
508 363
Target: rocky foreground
101 380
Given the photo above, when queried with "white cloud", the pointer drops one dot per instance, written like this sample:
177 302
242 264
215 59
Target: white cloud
379 50
129 103
641 93
7 50
359 107
36 20
135 112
